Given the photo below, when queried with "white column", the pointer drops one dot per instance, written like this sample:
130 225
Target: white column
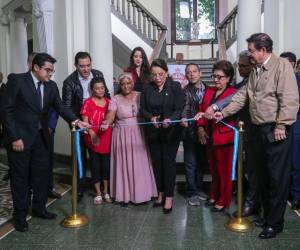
274 16
100 39
18 42
248 22
292 29
43 15
4 45
80 25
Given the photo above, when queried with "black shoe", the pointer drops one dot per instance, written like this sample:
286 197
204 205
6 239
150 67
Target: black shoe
247 211
217 210
167 210
44 215
210 204
157 204
53 194
259 222
21 225
79 196
296 205
124 204
269 232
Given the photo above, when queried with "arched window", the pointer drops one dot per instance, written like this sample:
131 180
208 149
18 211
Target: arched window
194 20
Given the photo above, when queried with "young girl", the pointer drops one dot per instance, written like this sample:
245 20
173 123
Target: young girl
98 142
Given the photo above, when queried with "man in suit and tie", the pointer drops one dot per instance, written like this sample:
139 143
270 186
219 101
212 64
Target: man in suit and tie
26 104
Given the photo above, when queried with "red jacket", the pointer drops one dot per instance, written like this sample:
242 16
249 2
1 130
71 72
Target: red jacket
221 134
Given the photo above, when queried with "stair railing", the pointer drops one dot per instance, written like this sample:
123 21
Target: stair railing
227 31
142 21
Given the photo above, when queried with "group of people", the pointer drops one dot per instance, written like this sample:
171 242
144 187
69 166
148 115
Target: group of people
132 138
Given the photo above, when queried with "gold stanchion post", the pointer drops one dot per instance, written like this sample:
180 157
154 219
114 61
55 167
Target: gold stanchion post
240 224
74 220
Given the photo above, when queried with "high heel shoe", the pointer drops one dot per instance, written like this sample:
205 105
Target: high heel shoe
208 203
157 204
167 210
217 210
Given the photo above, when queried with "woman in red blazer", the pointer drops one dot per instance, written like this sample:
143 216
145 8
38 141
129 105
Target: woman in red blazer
218 138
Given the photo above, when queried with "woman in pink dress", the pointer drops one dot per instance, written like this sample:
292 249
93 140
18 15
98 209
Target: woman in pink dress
132 178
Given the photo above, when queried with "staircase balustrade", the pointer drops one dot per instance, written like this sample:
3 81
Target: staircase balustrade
139 19
227 31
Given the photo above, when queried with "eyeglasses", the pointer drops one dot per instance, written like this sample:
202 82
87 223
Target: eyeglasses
218 77
250 51
49 71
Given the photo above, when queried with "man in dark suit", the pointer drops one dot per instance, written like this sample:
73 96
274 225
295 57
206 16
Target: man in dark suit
75 90
2 89
28 98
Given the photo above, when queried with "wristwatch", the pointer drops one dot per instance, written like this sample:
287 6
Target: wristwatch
215 107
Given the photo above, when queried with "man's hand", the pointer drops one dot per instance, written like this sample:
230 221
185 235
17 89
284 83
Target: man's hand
18 145
202 136
279 134
184 123
218 116
198 116
155 120
166 123
209 113
50 131
81 124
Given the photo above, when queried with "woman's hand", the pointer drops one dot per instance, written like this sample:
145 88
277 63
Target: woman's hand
184 123
198 116
154 119
94 137
104 126
218 116
202 136
166 123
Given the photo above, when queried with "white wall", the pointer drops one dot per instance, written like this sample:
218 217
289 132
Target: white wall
193 52
155 7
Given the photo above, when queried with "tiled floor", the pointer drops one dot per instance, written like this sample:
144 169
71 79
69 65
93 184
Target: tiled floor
144 227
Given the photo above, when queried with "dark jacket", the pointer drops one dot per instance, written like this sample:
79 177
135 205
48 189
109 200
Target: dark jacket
2 89
22 111
72 92
191 108
173 102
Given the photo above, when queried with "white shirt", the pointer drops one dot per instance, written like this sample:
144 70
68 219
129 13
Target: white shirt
35 81
85 83
258 67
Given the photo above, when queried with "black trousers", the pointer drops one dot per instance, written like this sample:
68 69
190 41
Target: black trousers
252 197
163 156
273 168
100 166
29 169
51 163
